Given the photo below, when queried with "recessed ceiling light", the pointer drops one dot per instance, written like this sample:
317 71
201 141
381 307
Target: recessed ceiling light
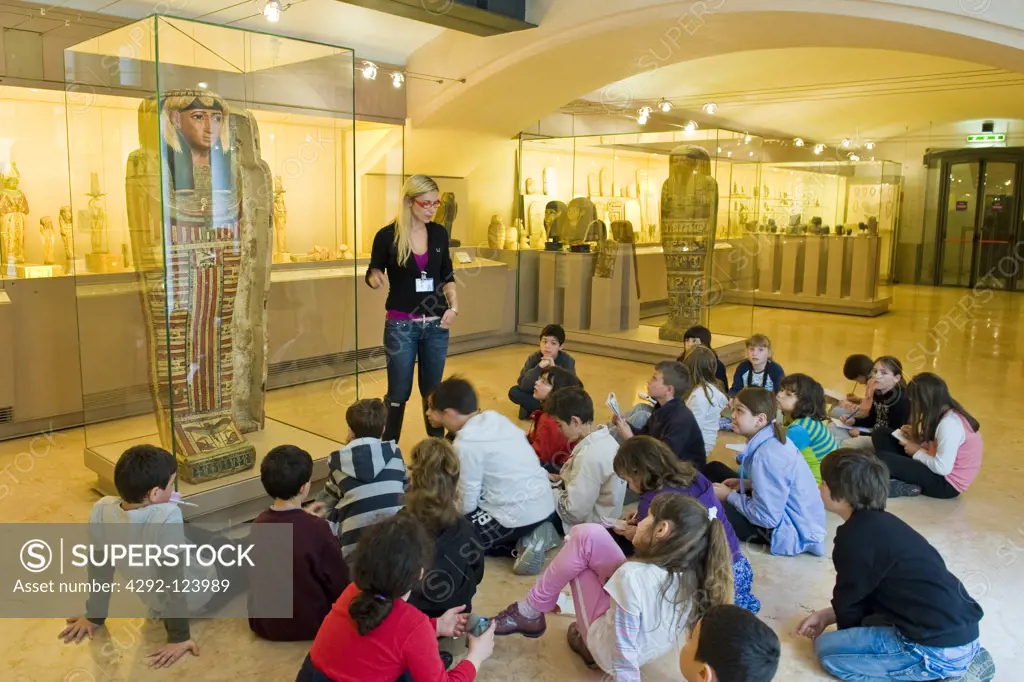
710 108
853 157
729 153
203 85
369 71
272 10
751 153
665 105
746 140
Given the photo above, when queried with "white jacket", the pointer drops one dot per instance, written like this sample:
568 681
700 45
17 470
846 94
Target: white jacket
501 473
708 413
592 490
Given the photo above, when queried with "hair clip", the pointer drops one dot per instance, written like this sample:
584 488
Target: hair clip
712 513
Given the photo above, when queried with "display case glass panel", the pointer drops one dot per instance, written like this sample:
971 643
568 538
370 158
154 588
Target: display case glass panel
599 254
199 156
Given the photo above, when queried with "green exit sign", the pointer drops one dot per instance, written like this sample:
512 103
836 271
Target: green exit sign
987 137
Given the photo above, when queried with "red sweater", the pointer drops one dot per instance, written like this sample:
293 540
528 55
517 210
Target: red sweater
406 642
319 575
547 441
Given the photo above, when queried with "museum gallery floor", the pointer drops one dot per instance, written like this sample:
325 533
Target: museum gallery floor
980 536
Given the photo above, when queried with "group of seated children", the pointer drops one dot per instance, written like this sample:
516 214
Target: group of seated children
396 560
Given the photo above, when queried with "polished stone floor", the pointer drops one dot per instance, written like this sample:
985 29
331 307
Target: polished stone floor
970 338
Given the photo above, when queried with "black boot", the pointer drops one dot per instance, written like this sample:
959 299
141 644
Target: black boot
432 432
396 414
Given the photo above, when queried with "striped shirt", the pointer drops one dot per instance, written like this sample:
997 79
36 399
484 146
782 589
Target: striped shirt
813 439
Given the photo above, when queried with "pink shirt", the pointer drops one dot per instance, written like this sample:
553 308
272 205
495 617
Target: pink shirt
421 263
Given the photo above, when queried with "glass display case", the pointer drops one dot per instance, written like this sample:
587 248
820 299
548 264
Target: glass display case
199 156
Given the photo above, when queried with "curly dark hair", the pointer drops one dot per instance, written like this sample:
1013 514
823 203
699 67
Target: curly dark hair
810 396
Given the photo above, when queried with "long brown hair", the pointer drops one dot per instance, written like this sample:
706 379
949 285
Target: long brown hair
434 484
762 401
652 465
702 364
893 364
929 401
696 553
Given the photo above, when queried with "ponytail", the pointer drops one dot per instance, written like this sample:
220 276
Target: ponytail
368 611
779 430
715 577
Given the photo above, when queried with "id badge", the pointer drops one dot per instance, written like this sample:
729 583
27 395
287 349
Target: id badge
424 285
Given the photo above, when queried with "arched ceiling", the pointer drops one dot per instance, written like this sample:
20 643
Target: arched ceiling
822 94
582 46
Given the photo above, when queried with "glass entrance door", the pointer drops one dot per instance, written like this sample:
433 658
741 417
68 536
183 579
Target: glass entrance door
981 224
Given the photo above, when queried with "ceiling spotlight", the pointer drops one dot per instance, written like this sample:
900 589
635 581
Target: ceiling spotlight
665 105
799 142
746 140
869 145
203 85
710 108
643 114
751 153
369 71
397 78
819 148
272 10
690 126
853 157
719 150
729 153
845 144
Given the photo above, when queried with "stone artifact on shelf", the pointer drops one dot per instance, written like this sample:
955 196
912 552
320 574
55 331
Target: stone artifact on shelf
607 251
206 297
67 235
13 209
496 233
281 254
580 223
319 254
554 221
94 218
549 181
49 238
512 235
689 212
446 213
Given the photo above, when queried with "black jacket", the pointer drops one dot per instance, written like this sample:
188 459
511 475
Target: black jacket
457 569
675 426
530 372
887 573
889 411
402 295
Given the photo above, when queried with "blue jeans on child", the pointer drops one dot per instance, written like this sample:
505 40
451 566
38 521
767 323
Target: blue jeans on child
404 342
877 654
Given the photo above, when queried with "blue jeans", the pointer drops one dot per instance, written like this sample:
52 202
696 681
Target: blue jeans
404 342
876 654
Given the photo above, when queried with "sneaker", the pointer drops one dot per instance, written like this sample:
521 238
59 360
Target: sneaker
530 549
982 668
899 488
447 659
578 646
511 622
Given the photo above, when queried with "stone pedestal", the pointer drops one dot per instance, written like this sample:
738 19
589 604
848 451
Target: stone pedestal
864 268
104 262
837 257
815 265
31 271
550 301
792 271
769 262
614 304
577 283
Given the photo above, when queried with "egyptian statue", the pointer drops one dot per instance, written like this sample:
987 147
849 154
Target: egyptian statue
446 213
67 234
554 219
689 211
580 222
13 208
49 238
280 218
199 191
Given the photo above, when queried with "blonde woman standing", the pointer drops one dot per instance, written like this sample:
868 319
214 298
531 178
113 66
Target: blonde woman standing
410 257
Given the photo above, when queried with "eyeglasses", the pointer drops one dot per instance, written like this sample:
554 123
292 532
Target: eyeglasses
427 204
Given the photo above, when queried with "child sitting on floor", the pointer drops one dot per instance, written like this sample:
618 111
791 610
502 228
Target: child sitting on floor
802 401
730 644
319 573
890 409
630 612
943 449
372 633
781 509
697 337
900 613
144 478
433 499
506 494
706 399
547 440
552 338
367 477
858 369
758 369
650 469
589 490
671 422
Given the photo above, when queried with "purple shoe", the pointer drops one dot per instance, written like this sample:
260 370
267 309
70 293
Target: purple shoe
511 622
